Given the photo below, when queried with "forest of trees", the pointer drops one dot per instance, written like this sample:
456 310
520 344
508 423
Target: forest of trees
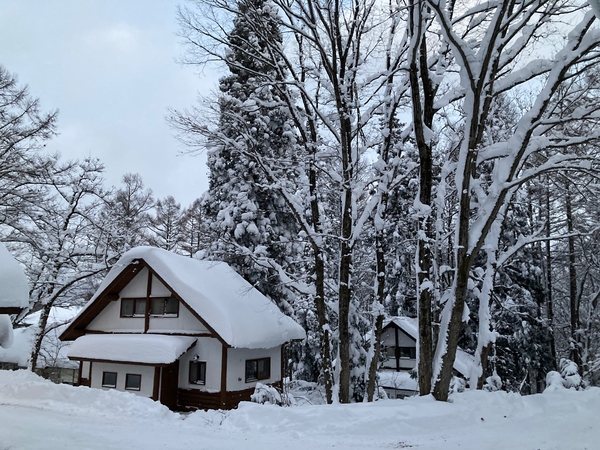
366 159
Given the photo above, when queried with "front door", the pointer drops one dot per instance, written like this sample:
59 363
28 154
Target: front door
168 385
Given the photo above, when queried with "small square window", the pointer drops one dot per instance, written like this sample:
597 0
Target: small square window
109 379
197 372
133 382
127 307
408 352
171 306
140 307
258 369
133 307
164 307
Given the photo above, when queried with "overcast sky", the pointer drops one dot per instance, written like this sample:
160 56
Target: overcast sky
108 66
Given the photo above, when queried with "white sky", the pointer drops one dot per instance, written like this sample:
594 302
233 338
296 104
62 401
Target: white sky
108 66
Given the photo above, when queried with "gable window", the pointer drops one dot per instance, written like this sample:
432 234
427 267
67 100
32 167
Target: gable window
164 307
133 307
258 369
133 382
197 372
408 352
109 379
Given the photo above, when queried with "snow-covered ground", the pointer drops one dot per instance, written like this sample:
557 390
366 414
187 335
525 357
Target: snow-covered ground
36 414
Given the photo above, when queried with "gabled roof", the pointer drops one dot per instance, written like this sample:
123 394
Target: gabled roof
14 287
234 310
463 361
407 324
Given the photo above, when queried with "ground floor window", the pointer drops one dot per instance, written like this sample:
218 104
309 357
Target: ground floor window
109 379
197 372
258 369
133 381
408 352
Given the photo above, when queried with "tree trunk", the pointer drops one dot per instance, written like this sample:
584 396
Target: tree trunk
422 119
39 337
549 300
573 300
380 257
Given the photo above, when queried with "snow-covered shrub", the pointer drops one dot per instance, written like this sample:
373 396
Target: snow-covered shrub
457 385
493 383
570 374
381 394
266 394
568 377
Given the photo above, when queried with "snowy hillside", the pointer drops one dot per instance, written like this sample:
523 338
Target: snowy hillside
36 414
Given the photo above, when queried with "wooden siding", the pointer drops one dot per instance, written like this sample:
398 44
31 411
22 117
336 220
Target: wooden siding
189 399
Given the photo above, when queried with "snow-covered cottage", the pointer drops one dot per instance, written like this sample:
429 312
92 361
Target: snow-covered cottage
14 294
399 347
187 333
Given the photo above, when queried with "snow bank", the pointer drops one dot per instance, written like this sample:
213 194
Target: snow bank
35 414
24 388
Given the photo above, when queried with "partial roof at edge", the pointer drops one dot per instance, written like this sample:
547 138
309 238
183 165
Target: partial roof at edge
238 313
14 287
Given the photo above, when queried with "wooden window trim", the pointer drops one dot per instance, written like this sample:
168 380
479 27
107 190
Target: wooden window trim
135 301
127 375
109 385
258 376
199 381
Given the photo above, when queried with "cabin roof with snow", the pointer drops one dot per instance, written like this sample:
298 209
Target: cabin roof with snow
230 307
463 361
14 288
406 324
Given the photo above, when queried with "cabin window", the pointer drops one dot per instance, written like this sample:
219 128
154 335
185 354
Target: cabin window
197 372
133 381
109 379
408 352
133 307
164 307
258 369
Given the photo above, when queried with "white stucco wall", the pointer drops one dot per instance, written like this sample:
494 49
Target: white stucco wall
136 287
110 319
236 366
209 350
147 373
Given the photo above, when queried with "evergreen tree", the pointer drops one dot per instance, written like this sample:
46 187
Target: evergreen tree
255 233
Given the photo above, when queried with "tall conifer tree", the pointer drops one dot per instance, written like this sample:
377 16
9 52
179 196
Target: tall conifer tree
250 219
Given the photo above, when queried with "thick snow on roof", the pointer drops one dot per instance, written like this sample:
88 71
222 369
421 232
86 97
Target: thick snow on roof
463 361
239 313
53 352
135 348
14 288
408 324
397 380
